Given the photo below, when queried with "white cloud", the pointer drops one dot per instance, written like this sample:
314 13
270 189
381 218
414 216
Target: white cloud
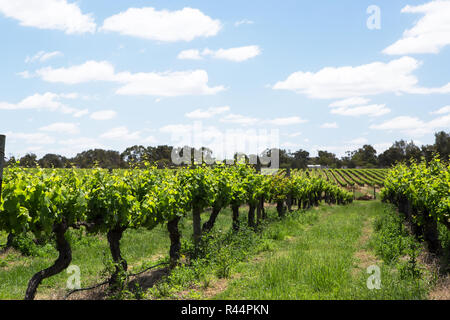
290 145
413 125
374 110
48 101
294 135
49 14
206 114
238 54
166 84
442 110
76 145
347 82
358 141
104 115
285 121
86 72
430 33
168 26
247 121
30 138
240 119
244 21
354 101
61 127
121 133
192 54
329 125
43 56
81 113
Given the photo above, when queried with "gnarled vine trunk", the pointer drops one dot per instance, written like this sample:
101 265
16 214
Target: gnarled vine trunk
431 234
280 208
175 243
235 210
114 236
63 261
208 225
196 223
251 215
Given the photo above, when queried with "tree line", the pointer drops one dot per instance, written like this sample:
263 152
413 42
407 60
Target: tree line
160 156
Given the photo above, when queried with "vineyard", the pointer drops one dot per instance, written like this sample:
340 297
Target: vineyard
422 193
47 205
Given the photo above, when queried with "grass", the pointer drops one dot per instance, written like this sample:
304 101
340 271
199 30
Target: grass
319 263
322 253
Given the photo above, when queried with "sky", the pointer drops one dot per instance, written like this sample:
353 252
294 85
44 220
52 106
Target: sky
230 75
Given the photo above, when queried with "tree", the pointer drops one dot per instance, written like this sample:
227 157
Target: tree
365 156
28 161
301 158
53 161
442 143
102 158
327 159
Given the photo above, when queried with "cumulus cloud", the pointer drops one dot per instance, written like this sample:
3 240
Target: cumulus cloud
238 54
329 125
30 138
61 127
430 33
443 110
413 125
365 80
48 101
167 84
192 54
373 110
208 113
244 21
247 121
167 26
86 72
49 14
285 121
104 115
123 133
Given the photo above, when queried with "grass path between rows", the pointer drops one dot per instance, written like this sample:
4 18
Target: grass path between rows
323 257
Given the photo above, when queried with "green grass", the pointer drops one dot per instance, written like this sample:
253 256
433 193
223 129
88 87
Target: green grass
319 262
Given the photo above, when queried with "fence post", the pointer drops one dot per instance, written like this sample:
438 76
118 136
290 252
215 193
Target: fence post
2 160
374 193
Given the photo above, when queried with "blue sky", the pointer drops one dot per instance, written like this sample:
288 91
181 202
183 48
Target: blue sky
312 74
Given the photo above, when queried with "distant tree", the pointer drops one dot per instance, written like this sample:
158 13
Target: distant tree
53 161
365 156
102 158
28 161
300 159
442 143
327 159
10 162
396 153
